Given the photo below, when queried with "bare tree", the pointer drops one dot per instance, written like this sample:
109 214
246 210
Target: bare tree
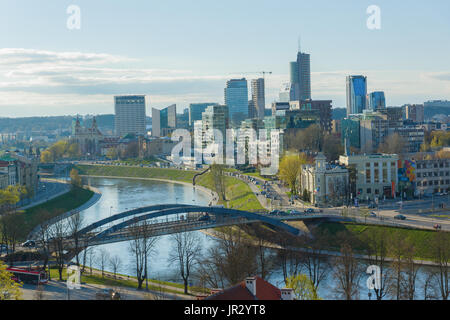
396 251
314 262
377 251
441 253
103 259
91 254
116 264
43 236
58 244
186 250
75 225
142 246
347 273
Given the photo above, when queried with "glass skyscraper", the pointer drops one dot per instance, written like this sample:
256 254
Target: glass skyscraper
300 77
196 110
376 100
236 99
163 120
356 94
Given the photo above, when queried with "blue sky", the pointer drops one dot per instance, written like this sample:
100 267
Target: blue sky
184 51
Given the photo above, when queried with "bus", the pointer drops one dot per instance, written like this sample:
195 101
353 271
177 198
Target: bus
29 276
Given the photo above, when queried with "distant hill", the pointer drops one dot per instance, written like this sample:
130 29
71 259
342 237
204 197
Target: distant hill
430 112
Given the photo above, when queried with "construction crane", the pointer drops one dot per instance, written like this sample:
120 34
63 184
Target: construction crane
260 72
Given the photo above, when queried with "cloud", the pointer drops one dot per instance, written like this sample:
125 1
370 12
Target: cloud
444 76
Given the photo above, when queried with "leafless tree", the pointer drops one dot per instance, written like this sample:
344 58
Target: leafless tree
441 252
186 250
103 259
377 251
116 263
75 224
142 246
43 236
313 260
410 271
58 244
91 253
396 251
348 273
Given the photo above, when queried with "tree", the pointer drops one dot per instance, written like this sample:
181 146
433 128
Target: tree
332 146
303 287
75 178
411 270
218 175
347 272
440 247
112 153
104 257
394 144
290 167
142 246
116 263
313 261
9 289
75 224
186 250
58 244
377 251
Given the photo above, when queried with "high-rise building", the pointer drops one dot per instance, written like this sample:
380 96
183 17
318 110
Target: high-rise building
258 98
356 94
376 100
300 76
236 99
164 121
129 115
196 110
414 112
285 92
214 117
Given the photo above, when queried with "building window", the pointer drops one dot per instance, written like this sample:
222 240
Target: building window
368 176
369 190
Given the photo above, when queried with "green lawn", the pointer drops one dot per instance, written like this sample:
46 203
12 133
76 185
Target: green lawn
238 193
357 232
137 172
45 211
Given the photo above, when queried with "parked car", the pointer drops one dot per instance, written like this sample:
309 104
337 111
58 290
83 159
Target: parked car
400 217
29 244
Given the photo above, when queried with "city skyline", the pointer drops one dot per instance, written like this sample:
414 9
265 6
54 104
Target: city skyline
50 70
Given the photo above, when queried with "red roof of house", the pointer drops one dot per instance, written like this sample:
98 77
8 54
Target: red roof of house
264 291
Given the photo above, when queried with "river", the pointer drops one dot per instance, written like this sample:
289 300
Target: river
119 195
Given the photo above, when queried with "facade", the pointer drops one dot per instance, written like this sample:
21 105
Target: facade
3 180
129 115
88 139
150 147
21 169
285 92
432 176
279 107
414 112
376 100
214 117
300 73
196 110
258 98
324 183
164 121
356 94
236 99
376 175
321 108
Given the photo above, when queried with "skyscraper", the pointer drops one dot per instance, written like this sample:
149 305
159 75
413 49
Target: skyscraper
376 100
164 121
356 94
304 75
129 115
236 99
196 110
258 98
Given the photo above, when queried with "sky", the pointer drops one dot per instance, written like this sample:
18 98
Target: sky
184 51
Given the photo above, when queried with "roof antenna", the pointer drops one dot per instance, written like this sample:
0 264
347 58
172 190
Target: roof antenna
299 43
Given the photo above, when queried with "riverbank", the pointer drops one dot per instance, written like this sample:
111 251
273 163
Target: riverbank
238 193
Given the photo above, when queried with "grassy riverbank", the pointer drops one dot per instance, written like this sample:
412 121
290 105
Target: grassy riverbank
238 193
34 216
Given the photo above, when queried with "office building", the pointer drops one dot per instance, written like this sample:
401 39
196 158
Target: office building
432 176
376 101
300 77
196 110
164 121
414 112
356 94
376 175
285 92
129 115
236 99
258 98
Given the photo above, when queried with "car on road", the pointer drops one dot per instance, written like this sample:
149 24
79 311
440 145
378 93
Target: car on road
309 210
276 212
206 217
29 244
437 226
372 205
400 217
107 294
372 214
294 212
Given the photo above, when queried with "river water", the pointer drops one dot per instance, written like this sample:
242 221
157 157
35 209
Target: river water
120 195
